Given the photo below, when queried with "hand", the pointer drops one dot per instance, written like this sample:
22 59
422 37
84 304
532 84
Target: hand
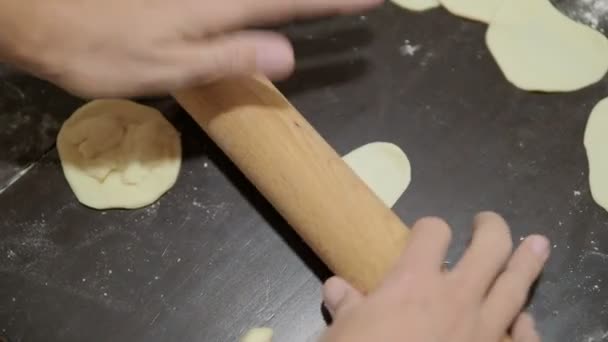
477 301
97 48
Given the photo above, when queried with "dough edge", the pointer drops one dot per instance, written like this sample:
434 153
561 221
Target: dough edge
73 174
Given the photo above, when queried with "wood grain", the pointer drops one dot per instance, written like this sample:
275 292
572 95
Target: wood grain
338 216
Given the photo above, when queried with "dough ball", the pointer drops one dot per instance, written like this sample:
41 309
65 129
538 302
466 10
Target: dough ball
540 49
417 5
480 10
596 144
119 154
258 335
385 169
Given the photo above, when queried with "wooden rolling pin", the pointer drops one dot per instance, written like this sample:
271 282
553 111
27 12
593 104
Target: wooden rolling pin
328 205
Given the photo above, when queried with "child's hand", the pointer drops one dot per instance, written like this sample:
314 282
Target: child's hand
477 301
131 47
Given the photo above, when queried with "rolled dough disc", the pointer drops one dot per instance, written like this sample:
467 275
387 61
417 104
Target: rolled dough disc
596 144
417 5
385 169
258 335
119 154
540 49
480 10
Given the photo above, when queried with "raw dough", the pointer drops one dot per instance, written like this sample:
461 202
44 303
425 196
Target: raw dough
384 167
540 49
480 10
258 335
596 144
119 154
417 5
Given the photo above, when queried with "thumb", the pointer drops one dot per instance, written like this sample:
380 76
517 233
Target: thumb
244 53
339 296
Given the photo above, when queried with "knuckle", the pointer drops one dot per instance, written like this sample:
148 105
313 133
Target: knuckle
233 60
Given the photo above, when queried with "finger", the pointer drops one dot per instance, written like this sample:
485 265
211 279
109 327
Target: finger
524 329
238 14
339 296
196 63
425 251
510 292
238 54
487 255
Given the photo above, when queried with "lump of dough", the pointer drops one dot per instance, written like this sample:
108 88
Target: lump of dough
385 169
258 335
417 5
540 49
596 144
119 154
480 10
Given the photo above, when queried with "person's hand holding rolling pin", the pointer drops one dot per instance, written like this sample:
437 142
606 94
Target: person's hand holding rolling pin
111 48
477 301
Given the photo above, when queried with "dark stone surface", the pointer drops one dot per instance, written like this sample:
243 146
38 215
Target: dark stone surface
212 258
31 113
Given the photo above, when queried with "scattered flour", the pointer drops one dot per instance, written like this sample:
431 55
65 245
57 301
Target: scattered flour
409 49
213 210
598 336
590 12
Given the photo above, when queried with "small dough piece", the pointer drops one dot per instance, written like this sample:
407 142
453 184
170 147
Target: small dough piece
384 167
540 49
480 10
258 335
596 144
119 154
417 5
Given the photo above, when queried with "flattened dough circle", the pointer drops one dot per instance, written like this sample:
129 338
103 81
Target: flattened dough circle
258 335
596 144
119 154
480 10
540 49
417 5
385 169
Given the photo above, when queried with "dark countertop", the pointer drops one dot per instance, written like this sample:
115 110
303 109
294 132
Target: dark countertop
212 259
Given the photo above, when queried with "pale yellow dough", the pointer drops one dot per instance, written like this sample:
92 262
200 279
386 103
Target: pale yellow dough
596 144
119 154
417 5
384 167
258 335
540 49
480 10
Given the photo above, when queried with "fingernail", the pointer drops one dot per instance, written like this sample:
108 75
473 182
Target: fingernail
275 60
333 294
539 245
334 298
